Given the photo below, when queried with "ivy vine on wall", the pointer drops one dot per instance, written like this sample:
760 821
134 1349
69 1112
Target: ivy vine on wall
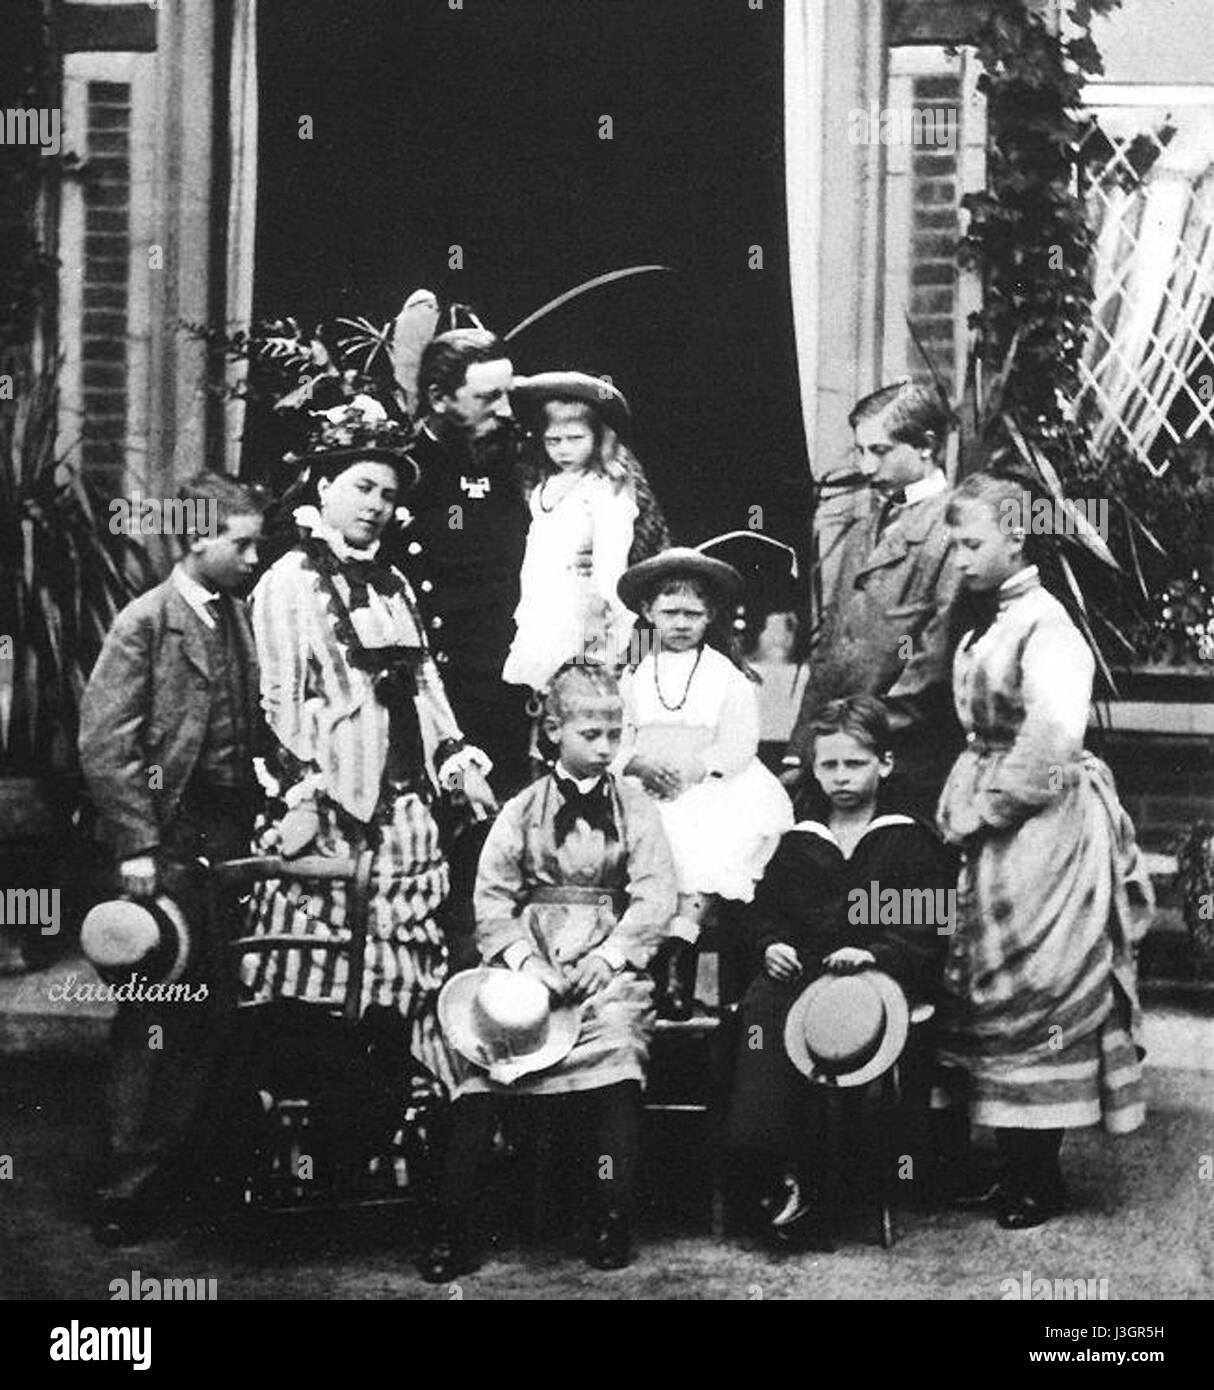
1029 234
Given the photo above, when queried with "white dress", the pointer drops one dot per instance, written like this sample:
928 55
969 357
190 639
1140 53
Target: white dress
577 548
724 829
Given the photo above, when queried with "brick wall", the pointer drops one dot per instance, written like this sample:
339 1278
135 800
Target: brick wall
1165 783
107 253
936 227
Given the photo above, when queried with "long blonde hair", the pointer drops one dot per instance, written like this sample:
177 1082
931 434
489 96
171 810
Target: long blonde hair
608 458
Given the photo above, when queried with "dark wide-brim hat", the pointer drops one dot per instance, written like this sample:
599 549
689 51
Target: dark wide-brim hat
769 568
506 1023
330 463
639 581
151 937
528 394
847 1030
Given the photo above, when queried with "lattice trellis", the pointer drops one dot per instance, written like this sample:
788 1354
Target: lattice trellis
1148 371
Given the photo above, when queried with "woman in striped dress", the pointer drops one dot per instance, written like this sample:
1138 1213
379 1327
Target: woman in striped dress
364 737
1040 1006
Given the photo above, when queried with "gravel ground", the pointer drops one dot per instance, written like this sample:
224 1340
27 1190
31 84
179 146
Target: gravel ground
1142 1217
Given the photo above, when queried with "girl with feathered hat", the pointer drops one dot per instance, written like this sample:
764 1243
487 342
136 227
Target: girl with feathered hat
692 739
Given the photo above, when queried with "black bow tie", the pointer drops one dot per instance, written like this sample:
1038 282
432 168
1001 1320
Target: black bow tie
364 575
593 807
219 611
893 500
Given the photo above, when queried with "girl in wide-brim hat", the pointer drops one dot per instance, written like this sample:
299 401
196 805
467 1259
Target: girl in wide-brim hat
365 743
584 509
692 736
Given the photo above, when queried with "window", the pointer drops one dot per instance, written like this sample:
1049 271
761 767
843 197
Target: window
1148 371
104 252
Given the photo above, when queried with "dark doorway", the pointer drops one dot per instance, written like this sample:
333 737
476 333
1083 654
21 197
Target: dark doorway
480 128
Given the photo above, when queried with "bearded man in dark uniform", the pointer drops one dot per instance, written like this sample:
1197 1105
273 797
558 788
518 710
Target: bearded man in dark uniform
463 549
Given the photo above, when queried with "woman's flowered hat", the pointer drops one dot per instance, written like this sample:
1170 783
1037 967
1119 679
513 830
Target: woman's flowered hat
357 431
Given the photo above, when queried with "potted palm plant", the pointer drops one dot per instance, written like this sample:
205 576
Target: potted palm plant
63 577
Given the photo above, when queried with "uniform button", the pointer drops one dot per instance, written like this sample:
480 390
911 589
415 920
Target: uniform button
442 658
436 623
415 547
427 587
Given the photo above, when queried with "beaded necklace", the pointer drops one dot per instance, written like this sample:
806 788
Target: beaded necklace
686 689
569 491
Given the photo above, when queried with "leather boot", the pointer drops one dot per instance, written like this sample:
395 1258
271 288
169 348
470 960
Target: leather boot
118 1221
960 1176
447 1253
1033 1190
1026 1205
675 974
611 1244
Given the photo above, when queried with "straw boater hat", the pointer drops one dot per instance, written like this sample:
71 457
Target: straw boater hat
151 937
505 1022
847 1030
639 581
528 393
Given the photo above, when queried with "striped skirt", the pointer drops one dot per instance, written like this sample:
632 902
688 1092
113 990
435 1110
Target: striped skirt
406 955
1096 1079
1040 1006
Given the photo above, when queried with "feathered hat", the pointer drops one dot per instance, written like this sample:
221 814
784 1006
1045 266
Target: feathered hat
358 431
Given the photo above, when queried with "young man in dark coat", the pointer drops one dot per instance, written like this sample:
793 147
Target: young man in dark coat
889 630
167 735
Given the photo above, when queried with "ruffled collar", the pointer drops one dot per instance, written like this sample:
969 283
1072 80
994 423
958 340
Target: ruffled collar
310 519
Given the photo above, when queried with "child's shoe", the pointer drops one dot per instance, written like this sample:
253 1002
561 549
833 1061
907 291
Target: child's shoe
1023 1205
794 1205
674 971
805 1230
797 1222
611 1244
447 1254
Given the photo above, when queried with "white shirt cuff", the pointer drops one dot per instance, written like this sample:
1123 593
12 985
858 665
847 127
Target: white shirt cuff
451 772
517 954
612 955
301 792
265 778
